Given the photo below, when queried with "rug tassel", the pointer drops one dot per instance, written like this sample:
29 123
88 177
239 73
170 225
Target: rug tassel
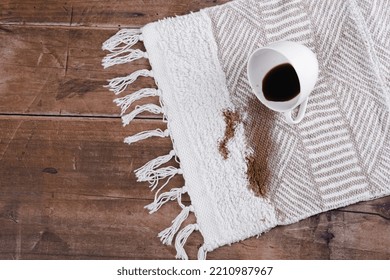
146 134
144 171
126 101
123 56
154 177
123 39
174 193
152 108
117 85
181 239
202 253
166 236
149 173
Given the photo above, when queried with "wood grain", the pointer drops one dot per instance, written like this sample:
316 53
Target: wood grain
76 156
68 192
49 71
331 235
96 13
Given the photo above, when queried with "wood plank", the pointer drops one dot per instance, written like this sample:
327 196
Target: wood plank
56 70
68 192
359 236
331 235
77 156
50 71
83 228
96 12
380 207
56 227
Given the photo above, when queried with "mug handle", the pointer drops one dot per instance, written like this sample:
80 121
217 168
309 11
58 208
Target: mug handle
301 113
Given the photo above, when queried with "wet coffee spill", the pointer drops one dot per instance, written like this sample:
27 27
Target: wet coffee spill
231 119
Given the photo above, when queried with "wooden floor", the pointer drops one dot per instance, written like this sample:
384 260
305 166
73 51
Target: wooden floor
67 190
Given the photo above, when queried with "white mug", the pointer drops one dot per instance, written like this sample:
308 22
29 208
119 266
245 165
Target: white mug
303 61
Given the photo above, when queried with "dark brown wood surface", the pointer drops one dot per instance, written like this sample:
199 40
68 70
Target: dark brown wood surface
67 190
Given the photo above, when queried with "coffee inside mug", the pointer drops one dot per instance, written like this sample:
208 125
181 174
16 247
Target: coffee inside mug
281 83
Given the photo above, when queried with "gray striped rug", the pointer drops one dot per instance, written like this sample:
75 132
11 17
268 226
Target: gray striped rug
340 152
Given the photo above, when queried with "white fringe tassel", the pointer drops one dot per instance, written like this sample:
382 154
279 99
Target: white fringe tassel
117 85
146 170
123 56
146 134
149 173
181 239
166 236
202 253
123 39
174 193
161 173
152 108
126 101
120 45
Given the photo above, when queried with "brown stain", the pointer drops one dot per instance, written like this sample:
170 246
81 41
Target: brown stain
258 127
50 241
50 170
231 119
122 14
10 212
77 87
384 210
135 14
257 175
327 236
6 30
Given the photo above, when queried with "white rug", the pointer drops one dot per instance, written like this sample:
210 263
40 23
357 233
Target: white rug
246 170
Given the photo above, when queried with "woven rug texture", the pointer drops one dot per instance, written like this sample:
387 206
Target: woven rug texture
246 170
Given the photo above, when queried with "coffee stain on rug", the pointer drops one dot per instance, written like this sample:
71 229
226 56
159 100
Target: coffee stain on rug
257 126
257 175
258 131
232 119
